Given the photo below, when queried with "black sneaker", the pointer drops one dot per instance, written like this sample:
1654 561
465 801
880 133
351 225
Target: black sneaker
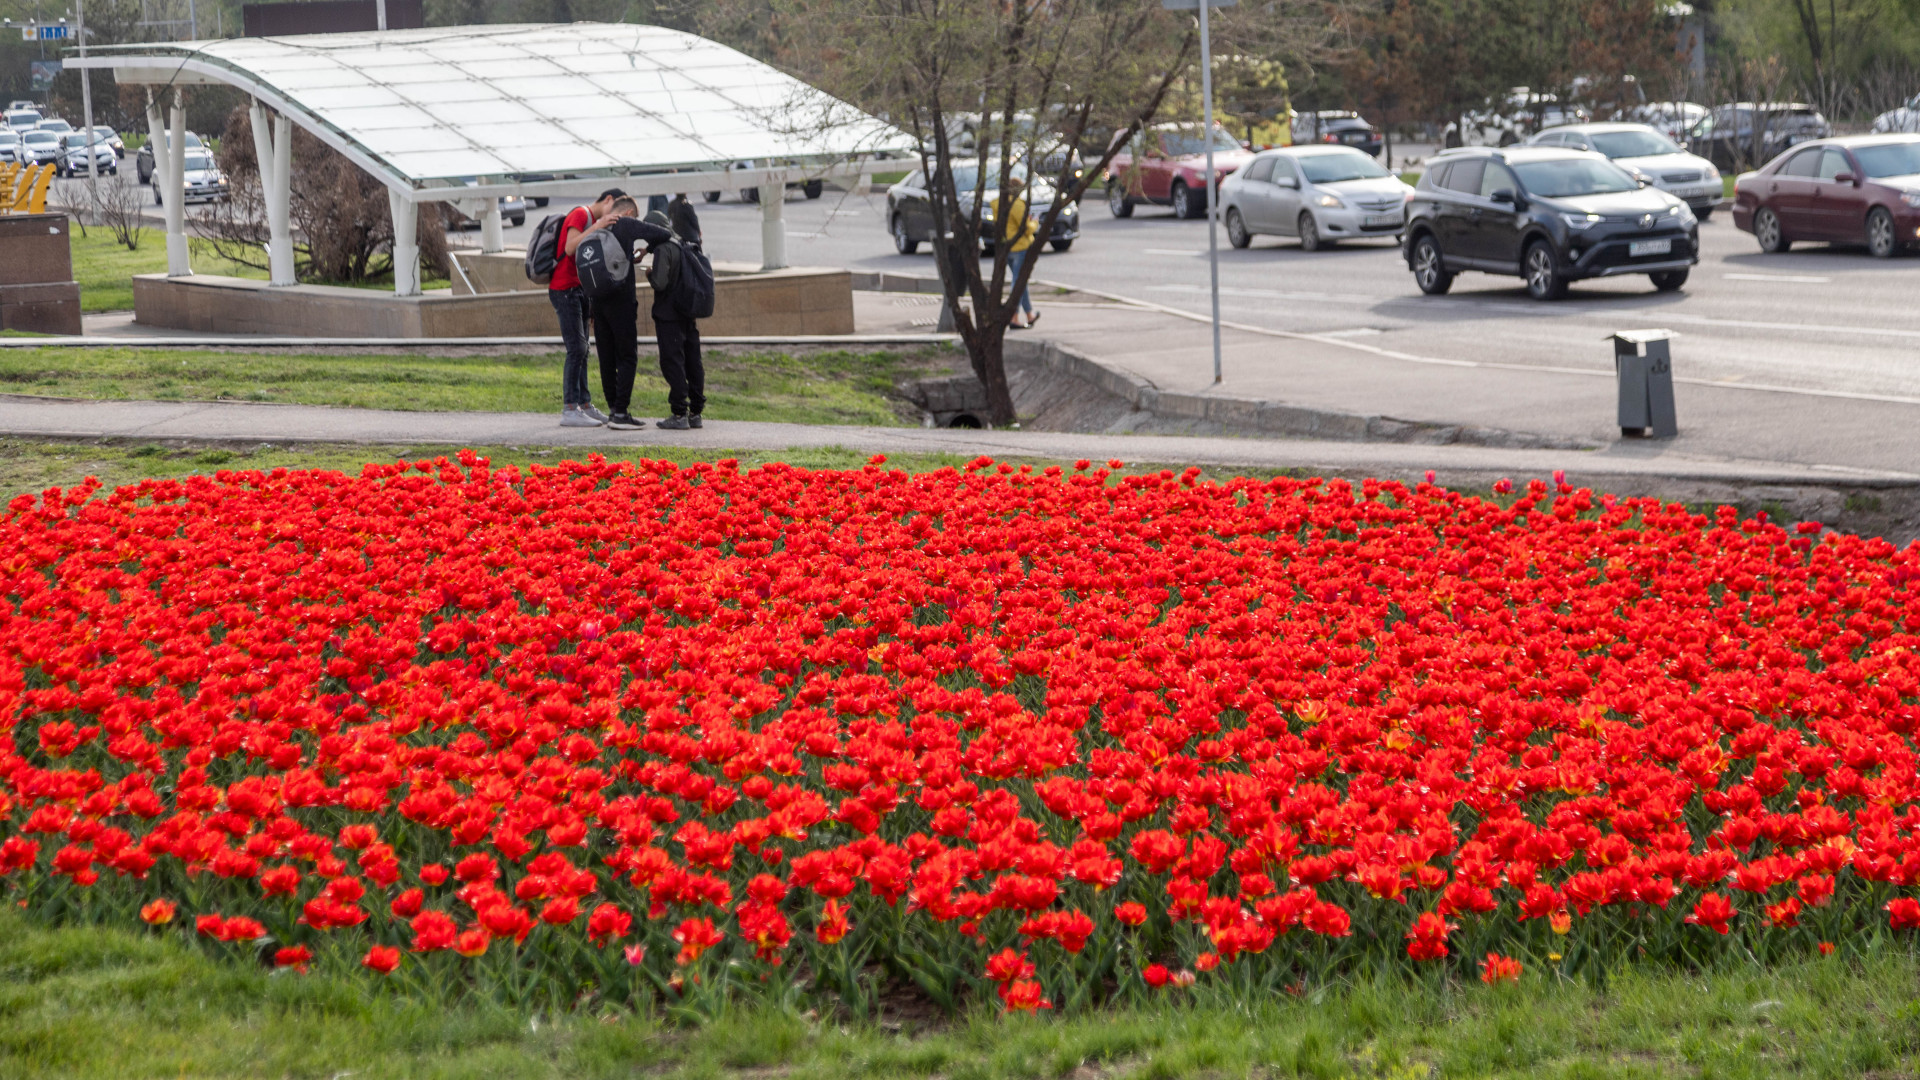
673 423
694 420
622 420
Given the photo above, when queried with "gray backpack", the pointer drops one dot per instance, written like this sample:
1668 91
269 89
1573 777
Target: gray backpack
603 263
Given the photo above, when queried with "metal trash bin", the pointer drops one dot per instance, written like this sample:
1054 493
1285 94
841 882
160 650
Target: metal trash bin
1643 367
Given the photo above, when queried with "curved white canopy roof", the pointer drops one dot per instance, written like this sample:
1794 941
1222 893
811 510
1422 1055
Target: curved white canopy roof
436 107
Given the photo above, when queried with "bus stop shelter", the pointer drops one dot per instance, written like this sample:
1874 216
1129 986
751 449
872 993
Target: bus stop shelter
466 114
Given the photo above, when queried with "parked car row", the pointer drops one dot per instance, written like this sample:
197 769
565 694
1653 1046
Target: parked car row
1576 202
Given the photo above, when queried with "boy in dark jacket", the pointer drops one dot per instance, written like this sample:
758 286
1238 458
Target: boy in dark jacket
679 336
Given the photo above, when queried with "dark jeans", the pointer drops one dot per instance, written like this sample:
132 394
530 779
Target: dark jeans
571 306
616 337
680 365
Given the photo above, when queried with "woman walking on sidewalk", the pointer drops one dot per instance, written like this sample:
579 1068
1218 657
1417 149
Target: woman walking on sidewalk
1017 231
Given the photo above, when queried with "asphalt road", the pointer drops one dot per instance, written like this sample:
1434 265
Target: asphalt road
1821 318
1827 319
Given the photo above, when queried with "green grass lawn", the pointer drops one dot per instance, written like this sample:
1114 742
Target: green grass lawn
809 387
82 1003
105 269
32 466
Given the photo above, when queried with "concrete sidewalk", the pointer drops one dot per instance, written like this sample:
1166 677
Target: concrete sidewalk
251 423
1350 381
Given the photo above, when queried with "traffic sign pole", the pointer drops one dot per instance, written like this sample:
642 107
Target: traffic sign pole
1213 185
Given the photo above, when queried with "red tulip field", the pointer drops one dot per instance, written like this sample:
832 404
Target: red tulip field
1030 738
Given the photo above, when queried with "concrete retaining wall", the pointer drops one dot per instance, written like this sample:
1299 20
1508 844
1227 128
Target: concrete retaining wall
37 290
796 301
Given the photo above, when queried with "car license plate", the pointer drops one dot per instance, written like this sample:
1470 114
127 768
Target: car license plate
1376 220
1649 247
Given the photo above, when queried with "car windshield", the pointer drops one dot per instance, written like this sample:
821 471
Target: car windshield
1617 144
41 137
199 161
967 177
1186 141
1889 159
1570 177
1333 168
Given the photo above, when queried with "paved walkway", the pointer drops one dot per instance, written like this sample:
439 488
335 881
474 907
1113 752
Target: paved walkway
257 423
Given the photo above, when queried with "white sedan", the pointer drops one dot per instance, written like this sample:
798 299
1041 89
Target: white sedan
1318 193
1650 156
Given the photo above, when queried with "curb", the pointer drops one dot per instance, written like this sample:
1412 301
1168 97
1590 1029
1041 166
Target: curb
1270 417
404 344
1266 417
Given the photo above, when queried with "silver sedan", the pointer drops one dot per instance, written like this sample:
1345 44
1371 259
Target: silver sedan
1321 194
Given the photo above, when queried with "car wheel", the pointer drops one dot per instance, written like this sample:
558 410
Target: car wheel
1060 245
1702 216
541 202
1452 141
711 196
1882 242
1766 229
750 194
902 243
1117 202
1309 230
1429 272
1237 233
1668 280
1508 138
1183 201
1542 271
812 188
518 220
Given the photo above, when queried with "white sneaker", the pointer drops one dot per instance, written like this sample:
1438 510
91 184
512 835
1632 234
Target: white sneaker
574 416
594 414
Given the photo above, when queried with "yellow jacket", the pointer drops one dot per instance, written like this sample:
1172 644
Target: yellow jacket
1019 237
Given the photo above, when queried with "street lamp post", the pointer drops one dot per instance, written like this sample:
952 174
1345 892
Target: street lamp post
86 114
1213 186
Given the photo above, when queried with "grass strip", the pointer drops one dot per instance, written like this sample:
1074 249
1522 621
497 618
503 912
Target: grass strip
85 1002
823 386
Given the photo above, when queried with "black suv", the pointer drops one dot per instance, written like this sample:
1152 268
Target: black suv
1547 215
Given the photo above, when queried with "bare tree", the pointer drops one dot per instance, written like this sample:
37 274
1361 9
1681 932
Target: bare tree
1030 80
342 225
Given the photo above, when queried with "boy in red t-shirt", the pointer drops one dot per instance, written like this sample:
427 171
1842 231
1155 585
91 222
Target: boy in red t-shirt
570 304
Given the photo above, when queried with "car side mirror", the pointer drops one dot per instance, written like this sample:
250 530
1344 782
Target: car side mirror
1642 181
1503 195
1289 182
1845 178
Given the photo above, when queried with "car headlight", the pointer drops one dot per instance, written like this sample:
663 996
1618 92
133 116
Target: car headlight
1332 202
1911 198
1581 221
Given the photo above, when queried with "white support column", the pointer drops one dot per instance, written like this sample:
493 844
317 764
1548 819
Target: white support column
273 152
491 240
157 139
773 225
179 264
406 248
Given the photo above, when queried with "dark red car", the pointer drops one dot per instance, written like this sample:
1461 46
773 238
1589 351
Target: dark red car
1167 164
1859 189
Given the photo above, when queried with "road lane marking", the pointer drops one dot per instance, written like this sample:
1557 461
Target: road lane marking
1543 311
1392 354
1790 279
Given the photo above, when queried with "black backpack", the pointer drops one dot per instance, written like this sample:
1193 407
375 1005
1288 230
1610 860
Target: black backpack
543 251
691 290
603 263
